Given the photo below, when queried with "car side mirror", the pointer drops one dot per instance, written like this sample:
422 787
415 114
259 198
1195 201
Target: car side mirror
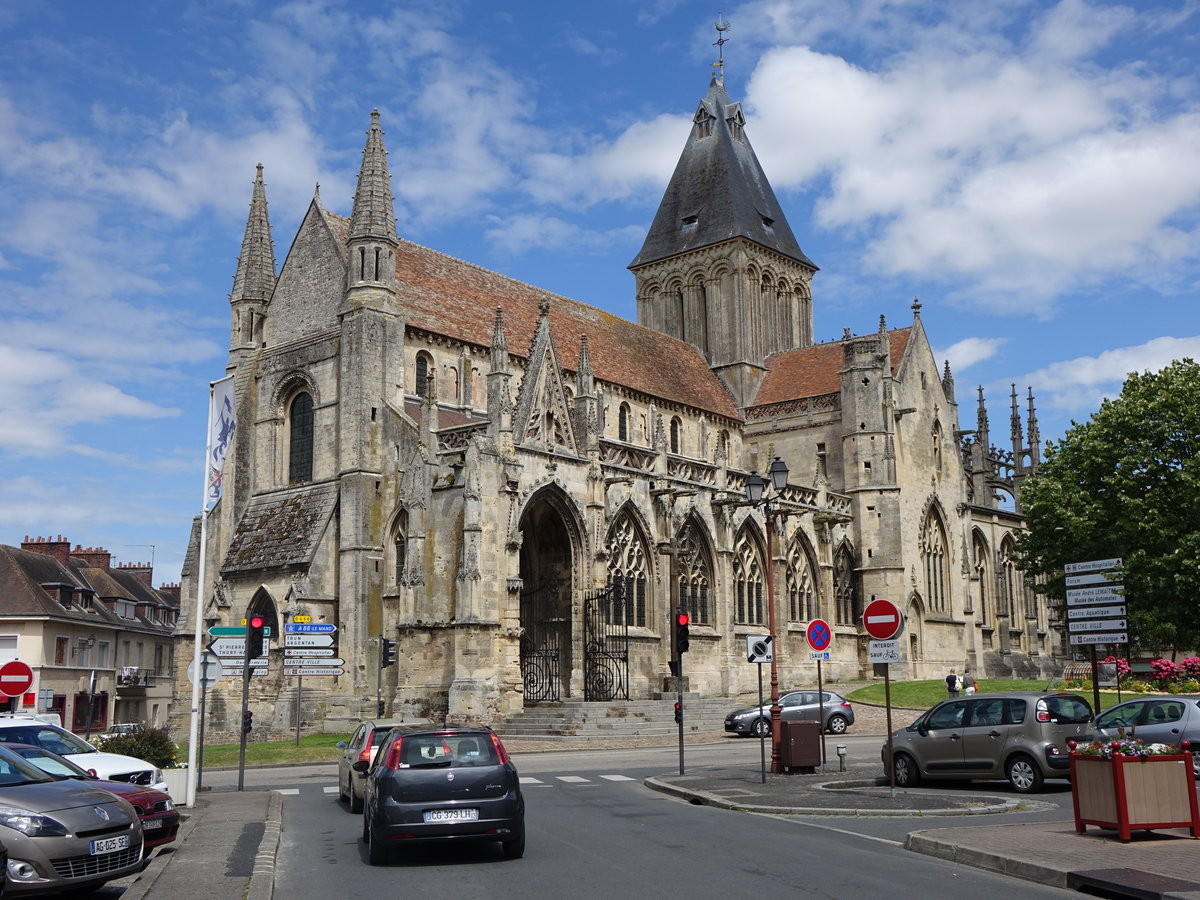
341 745
923 730
360 766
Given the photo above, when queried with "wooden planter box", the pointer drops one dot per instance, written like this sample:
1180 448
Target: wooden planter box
1131 793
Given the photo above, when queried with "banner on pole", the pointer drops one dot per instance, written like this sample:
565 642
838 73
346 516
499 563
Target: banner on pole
222 424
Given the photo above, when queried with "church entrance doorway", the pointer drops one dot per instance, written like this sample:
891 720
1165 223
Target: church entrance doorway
547 658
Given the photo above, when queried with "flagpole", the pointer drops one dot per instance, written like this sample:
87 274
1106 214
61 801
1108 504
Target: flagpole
194 724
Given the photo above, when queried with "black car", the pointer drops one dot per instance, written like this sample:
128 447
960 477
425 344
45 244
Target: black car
441 784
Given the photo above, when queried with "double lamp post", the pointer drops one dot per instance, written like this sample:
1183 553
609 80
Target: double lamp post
756 493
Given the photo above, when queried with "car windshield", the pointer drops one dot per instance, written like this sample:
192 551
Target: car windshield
14 770
50 762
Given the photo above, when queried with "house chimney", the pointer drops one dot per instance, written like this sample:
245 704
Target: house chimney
144 572
58 548
172 590
93 557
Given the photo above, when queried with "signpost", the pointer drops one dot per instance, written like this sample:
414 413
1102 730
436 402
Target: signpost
883 621
1095 609
759 650
819 636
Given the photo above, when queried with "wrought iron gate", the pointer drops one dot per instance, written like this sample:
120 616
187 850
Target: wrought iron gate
542 641
606 644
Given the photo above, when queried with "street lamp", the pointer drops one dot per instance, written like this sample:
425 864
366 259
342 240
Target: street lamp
755 492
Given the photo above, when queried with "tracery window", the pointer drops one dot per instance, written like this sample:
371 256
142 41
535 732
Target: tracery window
623 422
675 435
627 568
694 579
748 580
400 548
843 587
934 554
800 584
983 576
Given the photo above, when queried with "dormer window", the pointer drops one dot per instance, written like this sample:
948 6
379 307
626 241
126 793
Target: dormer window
736 122
689 223
768 224
703 124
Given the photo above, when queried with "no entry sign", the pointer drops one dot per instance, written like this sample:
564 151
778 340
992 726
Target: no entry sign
15 678
883 620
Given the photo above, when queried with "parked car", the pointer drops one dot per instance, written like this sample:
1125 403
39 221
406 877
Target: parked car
62 835
110 766
361 747
1019 736
1156 720
119 729
448 784
159 818
795 706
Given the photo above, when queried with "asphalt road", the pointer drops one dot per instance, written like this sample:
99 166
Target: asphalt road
594 831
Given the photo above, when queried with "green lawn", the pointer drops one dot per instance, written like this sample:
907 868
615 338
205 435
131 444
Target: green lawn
313 748
923 694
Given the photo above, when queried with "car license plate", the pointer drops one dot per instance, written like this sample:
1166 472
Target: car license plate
110 845
451 815
151 824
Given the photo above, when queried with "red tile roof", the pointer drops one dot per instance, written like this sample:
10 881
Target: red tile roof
815 370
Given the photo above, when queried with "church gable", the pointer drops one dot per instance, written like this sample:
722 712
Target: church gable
312 281
543 414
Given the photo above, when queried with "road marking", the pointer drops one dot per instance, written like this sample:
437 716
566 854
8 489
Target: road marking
288 790
525 779
617 778
331 789
573 779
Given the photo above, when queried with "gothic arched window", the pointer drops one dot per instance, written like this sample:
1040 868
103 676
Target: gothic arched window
675 426
695 578
627 569
936 557
801 585
623 422
423 372
748 580
300 439
400 548
843 587
982 573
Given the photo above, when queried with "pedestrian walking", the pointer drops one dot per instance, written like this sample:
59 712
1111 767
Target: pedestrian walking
968 682
952 684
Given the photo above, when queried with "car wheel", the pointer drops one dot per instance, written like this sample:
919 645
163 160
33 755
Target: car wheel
377 854
838 724
1024 775
515 848
907 773
356 801
761 728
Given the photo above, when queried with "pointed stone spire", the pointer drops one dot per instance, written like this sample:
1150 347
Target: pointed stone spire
982 438
1018 437
947 381
585 361
1035 437
499 344
499 401
255 276
373 215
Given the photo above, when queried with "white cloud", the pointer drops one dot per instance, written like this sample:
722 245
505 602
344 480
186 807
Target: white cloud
965 353
517 234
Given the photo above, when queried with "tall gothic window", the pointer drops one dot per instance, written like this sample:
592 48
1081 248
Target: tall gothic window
627 569
300 444
623 422
694 579
933 551
843 587
1009 580
400 547
675 435
801 586
747 580
983 577
424 368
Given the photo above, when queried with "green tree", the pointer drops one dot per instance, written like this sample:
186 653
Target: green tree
1127 484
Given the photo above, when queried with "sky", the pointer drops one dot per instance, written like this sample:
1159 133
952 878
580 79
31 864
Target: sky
1027 169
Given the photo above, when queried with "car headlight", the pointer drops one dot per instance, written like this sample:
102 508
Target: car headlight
30 823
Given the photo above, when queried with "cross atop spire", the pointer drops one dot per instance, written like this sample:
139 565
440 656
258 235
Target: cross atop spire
722 25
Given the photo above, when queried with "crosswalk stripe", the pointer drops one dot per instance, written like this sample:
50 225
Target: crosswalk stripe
573 779
288 791
617 778
331 789
525 779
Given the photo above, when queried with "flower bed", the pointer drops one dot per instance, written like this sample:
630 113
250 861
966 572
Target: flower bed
1127 785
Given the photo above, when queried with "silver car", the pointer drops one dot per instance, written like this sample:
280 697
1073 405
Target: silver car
361 747
794 706
1022 736
63 835
1156 720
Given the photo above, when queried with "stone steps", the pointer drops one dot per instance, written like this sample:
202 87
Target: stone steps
635 718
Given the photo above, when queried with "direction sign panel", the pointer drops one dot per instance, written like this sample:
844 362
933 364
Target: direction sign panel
883 620
1081 596
308 640
287 670
1120 637
819 636
233 631
1095 565
304 665
884 651
15 678
309 651
238 672
316 628
1092 578
1096 625
234 647
1097 612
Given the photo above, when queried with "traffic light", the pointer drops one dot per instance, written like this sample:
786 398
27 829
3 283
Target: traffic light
681 632
678 713
247 721
387 653
255 626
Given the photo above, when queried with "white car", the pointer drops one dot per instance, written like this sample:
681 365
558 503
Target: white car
109 766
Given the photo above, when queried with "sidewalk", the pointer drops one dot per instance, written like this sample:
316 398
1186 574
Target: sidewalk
226 847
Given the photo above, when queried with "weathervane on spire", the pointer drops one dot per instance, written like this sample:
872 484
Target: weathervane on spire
722 25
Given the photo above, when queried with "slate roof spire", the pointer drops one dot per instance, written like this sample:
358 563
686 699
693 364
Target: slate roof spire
255 275
718 191
373 215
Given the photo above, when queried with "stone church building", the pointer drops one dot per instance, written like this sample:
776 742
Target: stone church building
521 489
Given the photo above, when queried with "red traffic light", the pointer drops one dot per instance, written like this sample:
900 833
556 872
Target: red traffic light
257 621
682 618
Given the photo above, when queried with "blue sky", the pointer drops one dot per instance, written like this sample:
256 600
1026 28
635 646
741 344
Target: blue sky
1028 170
